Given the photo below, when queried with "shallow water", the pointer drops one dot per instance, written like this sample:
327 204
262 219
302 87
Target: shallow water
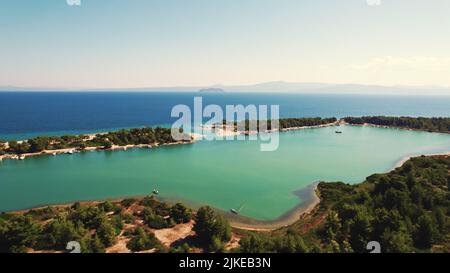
224 174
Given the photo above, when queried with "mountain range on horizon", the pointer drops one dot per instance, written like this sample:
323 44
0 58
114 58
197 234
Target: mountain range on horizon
266 87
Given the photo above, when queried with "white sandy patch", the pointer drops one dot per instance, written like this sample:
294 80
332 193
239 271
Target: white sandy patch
225 133
168 236
196 136
120 246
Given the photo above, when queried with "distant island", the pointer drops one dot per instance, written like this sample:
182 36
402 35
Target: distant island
211 90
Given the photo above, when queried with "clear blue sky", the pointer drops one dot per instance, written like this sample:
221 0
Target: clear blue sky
136 43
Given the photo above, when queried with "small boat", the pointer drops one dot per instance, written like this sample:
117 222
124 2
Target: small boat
155 191
54 154
22 157
70 152
234 211
338 132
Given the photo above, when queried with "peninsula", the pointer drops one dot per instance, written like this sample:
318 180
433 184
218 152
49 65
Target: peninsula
153 137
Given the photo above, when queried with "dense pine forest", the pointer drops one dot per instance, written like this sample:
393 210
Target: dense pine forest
283 123
425 124
136 136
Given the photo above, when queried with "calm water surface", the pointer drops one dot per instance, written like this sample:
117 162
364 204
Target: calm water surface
28 114
224 174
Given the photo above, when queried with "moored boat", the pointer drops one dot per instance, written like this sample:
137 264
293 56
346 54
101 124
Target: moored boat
234 211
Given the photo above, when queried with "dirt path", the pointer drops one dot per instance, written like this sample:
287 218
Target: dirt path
168 236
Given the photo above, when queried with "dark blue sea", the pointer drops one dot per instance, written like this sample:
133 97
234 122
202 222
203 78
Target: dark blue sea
28 114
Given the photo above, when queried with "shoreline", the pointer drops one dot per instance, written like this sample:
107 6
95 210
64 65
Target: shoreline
305 207
236 221
90 149
312 200
194 137
336 123
221 132
408 157
310 196
393 127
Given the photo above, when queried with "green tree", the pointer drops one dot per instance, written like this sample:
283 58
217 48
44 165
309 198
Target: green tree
155 221
290 244
19 148
107 206
106 233
18 233
441 220
38 144
332 225
180 214
91 217
360 231
256 243
106 144
396 242
426 231
96 245
117 222
184 248
127 202
143 240
211 226
61 231
346 247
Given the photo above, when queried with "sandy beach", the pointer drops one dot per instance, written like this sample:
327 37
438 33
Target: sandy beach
310 200
229 130
88 149
338 122
406 158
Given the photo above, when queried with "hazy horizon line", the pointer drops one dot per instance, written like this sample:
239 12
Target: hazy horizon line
218 85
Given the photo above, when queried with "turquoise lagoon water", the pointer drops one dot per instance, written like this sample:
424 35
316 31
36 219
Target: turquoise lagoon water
223 174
